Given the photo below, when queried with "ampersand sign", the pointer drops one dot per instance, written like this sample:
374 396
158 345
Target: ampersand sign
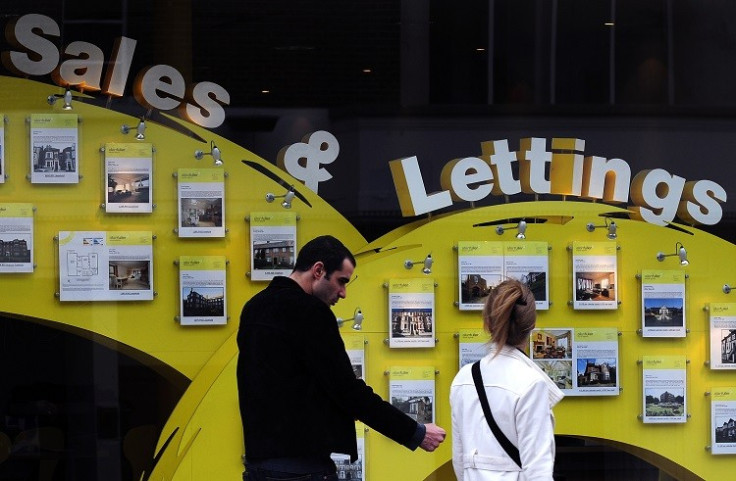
303 159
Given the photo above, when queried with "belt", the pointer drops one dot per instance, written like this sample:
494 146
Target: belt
296 465
490 463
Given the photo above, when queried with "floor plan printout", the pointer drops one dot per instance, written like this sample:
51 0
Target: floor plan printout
105 266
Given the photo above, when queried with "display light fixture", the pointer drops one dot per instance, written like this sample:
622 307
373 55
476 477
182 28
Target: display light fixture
679 251
288 197
427 264
140 130
520 230
610 226
357 320
67 96
726 288
214 152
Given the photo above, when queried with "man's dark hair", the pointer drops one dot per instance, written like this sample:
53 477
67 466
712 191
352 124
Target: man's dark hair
324 248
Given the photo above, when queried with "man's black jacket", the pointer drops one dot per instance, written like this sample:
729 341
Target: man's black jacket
298 393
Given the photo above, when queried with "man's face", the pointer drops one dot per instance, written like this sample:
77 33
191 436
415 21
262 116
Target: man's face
331 289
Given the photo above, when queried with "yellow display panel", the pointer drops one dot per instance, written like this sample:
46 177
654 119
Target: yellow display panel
202 438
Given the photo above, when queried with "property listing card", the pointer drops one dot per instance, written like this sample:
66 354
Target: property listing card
411 313
352 470
722 335
201 202
723 420
480 267
665 389
16 237
594 270
355 347
272 244
528 262
203 290
581 361
128 173
412 391
596 361
54 148
2 148
473 345
663 303
106 266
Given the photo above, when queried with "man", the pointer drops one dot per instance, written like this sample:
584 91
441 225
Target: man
299 396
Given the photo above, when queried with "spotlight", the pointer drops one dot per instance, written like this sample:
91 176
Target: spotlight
288 197
610 226
520 230
357 320
214 152
67 96
679 251
521 234
427 264
726 289
140 130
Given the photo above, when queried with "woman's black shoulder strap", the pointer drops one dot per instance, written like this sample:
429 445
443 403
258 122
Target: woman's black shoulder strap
507 446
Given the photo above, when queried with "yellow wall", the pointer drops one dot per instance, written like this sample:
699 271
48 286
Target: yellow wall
207 442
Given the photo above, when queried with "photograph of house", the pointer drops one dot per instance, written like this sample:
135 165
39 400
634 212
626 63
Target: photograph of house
665 402
596 372
663 312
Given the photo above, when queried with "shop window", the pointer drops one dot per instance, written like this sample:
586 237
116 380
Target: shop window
72 408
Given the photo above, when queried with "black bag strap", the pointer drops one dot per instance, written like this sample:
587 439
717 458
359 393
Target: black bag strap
507 446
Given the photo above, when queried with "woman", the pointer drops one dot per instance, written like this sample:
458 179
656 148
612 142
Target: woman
520 396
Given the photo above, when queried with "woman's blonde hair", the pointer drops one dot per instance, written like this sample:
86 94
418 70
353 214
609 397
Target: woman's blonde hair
510 313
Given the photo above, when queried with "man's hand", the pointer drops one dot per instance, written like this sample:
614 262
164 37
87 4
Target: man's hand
432 439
